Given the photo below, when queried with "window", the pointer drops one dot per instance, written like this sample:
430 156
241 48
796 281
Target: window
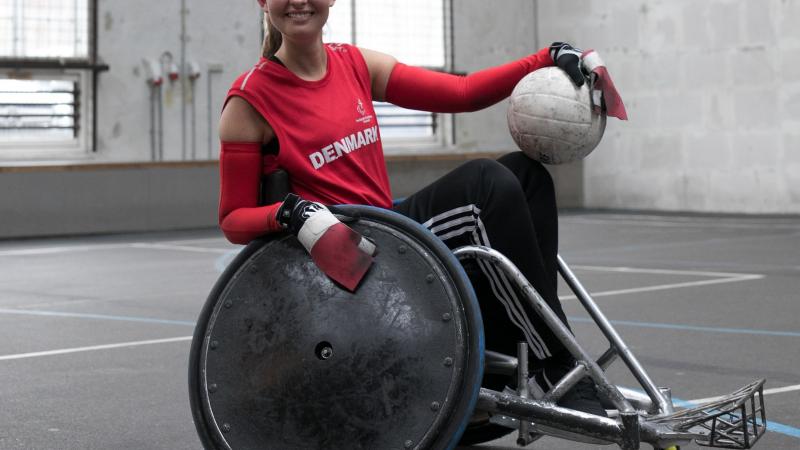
44 29
416 32
40 110
45 72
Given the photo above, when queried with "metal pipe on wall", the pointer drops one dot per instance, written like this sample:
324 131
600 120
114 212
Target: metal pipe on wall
353 24
183 78
208 109
95 70
153 106
193 127
169 69
211 69
160 123
154 80
194 74
536 39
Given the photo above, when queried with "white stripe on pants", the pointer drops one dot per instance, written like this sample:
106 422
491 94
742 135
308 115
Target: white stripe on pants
501 287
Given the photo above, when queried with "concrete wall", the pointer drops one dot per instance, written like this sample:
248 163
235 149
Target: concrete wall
54 200
485 35
226 36
112 190
713 93
712 88
130 32
107 198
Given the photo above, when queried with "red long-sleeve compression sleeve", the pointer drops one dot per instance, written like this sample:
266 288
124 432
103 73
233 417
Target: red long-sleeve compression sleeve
240 217
427 90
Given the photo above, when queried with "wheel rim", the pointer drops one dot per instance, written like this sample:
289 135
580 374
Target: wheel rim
249 390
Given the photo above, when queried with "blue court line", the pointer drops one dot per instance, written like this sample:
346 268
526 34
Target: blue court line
222 262
771 426
31 312
673 326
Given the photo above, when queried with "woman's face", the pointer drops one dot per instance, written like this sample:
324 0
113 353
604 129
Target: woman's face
298 19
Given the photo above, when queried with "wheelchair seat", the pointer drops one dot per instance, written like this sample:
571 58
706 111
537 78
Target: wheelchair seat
284 358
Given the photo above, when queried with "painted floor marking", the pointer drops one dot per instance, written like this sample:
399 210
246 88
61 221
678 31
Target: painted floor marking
171 245
64 351
780 390
186 248
222 262
194 292
34 312
675 326
698 273
60 249
721 277
198 240
676 222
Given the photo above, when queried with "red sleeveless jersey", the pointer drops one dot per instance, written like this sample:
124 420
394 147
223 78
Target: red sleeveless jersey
328 133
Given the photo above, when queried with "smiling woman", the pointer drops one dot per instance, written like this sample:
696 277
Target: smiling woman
305 109
297 23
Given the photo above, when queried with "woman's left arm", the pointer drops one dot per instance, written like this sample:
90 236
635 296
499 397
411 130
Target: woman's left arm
428 90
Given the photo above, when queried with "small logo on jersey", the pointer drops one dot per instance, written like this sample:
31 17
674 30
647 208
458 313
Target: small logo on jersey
363 112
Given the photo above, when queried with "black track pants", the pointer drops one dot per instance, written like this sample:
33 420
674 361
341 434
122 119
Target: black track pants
508 205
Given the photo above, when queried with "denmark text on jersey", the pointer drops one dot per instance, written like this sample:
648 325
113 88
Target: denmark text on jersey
342 147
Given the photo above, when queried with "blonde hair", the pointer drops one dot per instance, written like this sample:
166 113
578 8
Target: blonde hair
272 38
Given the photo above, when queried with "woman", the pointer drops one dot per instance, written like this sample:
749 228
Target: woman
311 104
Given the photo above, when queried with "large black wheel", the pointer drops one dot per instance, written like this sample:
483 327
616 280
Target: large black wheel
282 358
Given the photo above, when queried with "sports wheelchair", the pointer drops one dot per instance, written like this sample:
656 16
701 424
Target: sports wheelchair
284 358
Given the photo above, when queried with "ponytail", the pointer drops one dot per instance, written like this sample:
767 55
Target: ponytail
272 40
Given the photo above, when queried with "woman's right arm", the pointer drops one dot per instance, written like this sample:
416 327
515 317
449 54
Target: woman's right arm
428 90
242 131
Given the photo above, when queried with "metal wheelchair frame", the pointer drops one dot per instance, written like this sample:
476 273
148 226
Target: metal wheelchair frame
737 420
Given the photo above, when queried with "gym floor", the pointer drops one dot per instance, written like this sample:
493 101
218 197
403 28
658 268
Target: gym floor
96 330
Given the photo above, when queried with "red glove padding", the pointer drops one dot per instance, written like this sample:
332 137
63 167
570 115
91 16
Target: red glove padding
340 252
594 65
240 216
427 90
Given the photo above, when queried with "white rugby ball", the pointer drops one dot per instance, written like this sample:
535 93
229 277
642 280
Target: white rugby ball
551 120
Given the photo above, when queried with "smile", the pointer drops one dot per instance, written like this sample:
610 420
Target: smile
300 15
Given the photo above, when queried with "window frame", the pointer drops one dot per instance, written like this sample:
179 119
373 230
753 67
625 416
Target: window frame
76 147
85 71
443 130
